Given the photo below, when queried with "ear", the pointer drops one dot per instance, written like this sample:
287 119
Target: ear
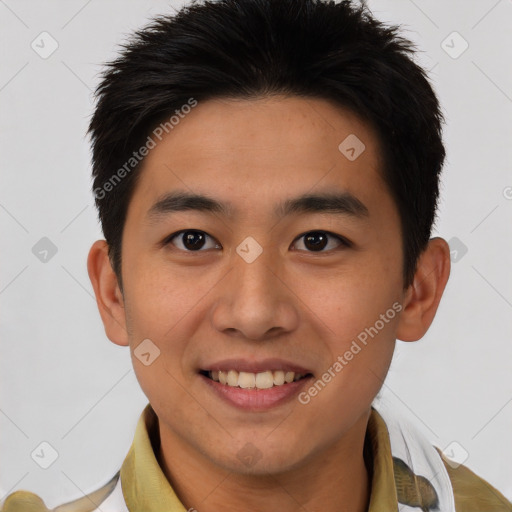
424 294
108 294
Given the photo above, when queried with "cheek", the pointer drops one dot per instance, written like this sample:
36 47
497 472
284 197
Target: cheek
165 306
361 312
351 379
161 296
349 300
154 305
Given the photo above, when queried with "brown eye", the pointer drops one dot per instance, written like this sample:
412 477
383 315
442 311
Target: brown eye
191 240
317 241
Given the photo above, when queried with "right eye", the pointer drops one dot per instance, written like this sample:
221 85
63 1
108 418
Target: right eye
190 240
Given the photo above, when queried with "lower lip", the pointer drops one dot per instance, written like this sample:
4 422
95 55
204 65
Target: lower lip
257 399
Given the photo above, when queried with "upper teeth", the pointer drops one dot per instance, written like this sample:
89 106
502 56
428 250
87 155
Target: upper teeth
262 380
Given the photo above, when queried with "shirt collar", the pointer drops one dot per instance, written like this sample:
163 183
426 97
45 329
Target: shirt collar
145 487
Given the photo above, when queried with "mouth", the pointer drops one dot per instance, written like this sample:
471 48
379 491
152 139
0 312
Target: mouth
258 381
255 387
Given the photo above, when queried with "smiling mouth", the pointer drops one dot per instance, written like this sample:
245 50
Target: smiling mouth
247 380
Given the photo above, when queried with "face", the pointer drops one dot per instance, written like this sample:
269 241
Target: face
257 283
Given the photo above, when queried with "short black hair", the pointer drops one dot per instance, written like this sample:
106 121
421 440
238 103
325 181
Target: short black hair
255 48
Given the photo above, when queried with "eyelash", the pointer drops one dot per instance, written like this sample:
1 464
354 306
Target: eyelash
344 242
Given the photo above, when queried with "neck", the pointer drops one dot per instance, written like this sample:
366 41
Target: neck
335 478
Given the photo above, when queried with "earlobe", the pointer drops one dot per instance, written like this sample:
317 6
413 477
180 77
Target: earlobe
424 294
108 295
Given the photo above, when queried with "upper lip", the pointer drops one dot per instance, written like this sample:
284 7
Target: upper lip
251 366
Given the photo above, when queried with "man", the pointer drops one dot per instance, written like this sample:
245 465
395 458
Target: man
267 176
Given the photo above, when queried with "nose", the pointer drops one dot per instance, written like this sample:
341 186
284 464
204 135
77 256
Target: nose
255 301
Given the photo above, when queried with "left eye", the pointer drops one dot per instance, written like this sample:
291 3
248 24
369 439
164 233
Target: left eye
317 241
191 240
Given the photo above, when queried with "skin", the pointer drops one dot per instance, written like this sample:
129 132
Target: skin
291 302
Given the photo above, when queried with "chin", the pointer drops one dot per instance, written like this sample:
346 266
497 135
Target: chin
259 458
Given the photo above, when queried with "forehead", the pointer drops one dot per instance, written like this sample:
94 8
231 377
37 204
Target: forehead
258 151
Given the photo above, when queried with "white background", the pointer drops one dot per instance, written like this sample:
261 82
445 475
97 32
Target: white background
64 382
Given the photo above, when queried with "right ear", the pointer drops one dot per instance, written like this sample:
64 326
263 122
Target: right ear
108 294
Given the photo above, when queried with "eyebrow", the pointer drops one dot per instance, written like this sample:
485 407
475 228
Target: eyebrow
343 203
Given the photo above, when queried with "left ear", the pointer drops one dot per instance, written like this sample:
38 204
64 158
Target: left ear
424 294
